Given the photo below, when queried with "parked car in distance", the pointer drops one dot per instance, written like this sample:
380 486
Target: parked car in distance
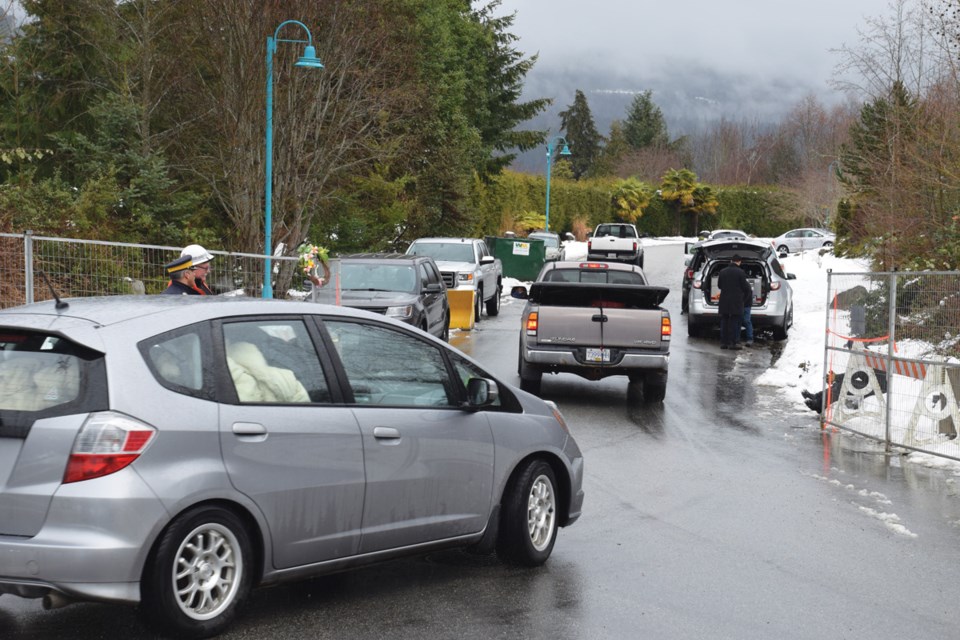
466 263
408 288
804 239
173 452
551 243
772 304
615 241
595 320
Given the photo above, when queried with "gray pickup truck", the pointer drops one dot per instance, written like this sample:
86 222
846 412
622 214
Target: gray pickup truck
594 319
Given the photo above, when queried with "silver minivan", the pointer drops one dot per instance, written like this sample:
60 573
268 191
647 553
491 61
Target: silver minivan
176 452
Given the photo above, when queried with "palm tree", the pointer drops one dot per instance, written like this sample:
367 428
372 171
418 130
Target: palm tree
676 188
630 197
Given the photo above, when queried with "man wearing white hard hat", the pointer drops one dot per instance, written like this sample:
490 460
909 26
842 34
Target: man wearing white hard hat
201 259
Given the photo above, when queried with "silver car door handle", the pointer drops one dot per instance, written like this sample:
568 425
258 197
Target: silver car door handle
249 429
386 433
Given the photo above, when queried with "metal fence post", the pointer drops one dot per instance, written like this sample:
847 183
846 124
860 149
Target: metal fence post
826 350
28 265
892 335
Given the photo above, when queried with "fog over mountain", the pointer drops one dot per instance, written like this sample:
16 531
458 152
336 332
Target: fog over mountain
750 60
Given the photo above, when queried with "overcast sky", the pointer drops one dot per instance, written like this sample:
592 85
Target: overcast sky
785 39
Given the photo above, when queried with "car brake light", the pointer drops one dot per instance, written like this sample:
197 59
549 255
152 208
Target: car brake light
774 286
689 274
532 323
594 265
107 443
666 329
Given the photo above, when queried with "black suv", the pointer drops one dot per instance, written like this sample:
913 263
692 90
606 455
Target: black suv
408 288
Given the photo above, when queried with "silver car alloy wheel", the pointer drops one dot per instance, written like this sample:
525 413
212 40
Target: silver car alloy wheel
207 571
541 512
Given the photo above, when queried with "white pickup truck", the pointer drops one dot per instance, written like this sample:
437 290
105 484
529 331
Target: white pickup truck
594 319
466 263
615 241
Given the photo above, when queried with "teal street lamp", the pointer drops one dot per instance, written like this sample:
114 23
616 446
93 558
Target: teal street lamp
308 59
564 151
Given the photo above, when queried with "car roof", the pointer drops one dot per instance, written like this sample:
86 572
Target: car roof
164 312
382 257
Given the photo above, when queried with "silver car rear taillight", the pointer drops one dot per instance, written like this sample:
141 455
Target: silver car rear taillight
107 443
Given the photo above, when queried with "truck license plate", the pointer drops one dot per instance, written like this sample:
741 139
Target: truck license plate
611 255
598 355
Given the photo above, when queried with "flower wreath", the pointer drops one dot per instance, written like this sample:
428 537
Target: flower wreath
312 259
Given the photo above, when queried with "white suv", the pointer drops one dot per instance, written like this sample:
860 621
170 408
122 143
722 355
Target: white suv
465 263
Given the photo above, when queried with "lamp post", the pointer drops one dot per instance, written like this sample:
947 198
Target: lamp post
564 151
308 59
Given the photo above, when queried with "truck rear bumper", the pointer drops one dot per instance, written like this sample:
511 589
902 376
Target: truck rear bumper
568 361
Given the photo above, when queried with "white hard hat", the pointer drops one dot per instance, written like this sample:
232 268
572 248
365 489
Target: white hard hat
198 253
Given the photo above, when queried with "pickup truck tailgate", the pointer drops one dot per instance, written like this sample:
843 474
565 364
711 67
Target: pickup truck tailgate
599 327
595 315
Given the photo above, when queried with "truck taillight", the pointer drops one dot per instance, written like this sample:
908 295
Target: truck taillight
689 274
634 246
666 329
589 245
107 443
532 323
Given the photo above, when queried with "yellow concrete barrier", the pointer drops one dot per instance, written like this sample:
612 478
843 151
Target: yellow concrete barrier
461 308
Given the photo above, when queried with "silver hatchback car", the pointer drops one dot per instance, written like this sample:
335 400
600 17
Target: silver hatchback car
176 452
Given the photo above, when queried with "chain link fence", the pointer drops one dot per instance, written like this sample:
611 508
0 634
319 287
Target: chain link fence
33 267
892 358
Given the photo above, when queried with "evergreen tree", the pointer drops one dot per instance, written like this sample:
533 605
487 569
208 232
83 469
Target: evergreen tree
581 134
645 126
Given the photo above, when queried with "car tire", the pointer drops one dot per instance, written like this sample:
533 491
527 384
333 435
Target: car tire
780 333
828 245
445 334
654 386
529 514
692 329
199 574
493 304
684 304
478 304
783 249
530 378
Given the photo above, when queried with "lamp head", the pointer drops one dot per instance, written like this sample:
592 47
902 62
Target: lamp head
309 58
565 151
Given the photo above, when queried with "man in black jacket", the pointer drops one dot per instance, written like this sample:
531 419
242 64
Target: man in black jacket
735 294
181 272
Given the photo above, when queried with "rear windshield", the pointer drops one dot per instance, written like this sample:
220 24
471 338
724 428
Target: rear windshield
43 375
596 276
616 230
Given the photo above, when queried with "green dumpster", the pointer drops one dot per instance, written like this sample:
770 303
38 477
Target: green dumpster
522 258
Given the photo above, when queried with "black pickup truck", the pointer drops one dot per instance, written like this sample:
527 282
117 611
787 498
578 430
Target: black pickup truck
594 319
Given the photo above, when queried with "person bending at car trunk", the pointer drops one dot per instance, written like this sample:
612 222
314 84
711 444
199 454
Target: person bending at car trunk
735 294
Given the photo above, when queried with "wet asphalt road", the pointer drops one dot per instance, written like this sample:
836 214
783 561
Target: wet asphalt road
723 513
